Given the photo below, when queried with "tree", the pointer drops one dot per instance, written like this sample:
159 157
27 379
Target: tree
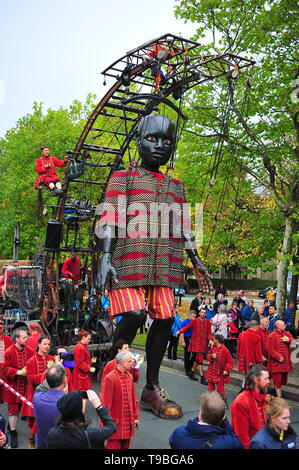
257 121
59 129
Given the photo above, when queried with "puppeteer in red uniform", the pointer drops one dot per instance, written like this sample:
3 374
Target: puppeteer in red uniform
119 395
16 359
82 375
36 366
71 268
249 350
45 168
221 364
111 365
279 355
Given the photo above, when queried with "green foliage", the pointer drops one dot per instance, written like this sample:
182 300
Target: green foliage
20 147
244 135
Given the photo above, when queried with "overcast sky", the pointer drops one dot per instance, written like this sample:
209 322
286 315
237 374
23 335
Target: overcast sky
53 51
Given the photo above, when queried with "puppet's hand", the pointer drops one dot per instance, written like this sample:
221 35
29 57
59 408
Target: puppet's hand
107 271
202 277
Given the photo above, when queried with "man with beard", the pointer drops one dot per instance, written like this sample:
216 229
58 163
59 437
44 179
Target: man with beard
45 168
248 410
200 339
143 262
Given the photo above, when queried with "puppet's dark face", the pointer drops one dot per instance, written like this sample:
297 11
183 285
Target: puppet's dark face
156 141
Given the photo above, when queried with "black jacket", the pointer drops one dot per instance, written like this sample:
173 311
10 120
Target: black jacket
67 437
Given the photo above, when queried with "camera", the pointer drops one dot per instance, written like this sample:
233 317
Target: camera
66 356
68 359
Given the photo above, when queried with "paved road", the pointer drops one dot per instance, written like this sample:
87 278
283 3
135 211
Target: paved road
154 431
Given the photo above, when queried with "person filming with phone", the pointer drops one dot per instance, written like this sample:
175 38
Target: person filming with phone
72 430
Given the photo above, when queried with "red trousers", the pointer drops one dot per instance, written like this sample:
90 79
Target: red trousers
220 387
118 444
279 379
14 408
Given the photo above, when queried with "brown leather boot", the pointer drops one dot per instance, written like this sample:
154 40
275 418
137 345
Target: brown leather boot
158 402
31 444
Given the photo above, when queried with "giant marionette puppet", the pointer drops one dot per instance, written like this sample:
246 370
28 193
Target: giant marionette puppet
141 263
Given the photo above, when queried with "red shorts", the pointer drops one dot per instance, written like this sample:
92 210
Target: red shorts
279 379
200 357
160 301
219 385
14 408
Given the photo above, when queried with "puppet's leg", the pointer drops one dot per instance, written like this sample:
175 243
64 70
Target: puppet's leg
127 328
153 397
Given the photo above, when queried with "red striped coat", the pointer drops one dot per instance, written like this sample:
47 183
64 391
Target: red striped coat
82 378
144 255
45 175
201 334
249 350
16 359
218 365
248 415
35 368
264 335
119 395
277 348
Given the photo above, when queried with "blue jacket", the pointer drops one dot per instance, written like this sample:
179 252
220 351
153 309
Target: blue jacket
194 436
247 312
289 316
267 438
210 313
176 325
187 333
272 320
105 301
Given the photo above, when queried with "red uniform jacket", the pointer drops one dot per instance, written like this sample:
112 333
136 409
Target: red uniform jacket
15 360
82 378
5 342
111 365
35 368
264 334
45 175
119 395
277 348
201 334
248 415
249 350
72 267
218 365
